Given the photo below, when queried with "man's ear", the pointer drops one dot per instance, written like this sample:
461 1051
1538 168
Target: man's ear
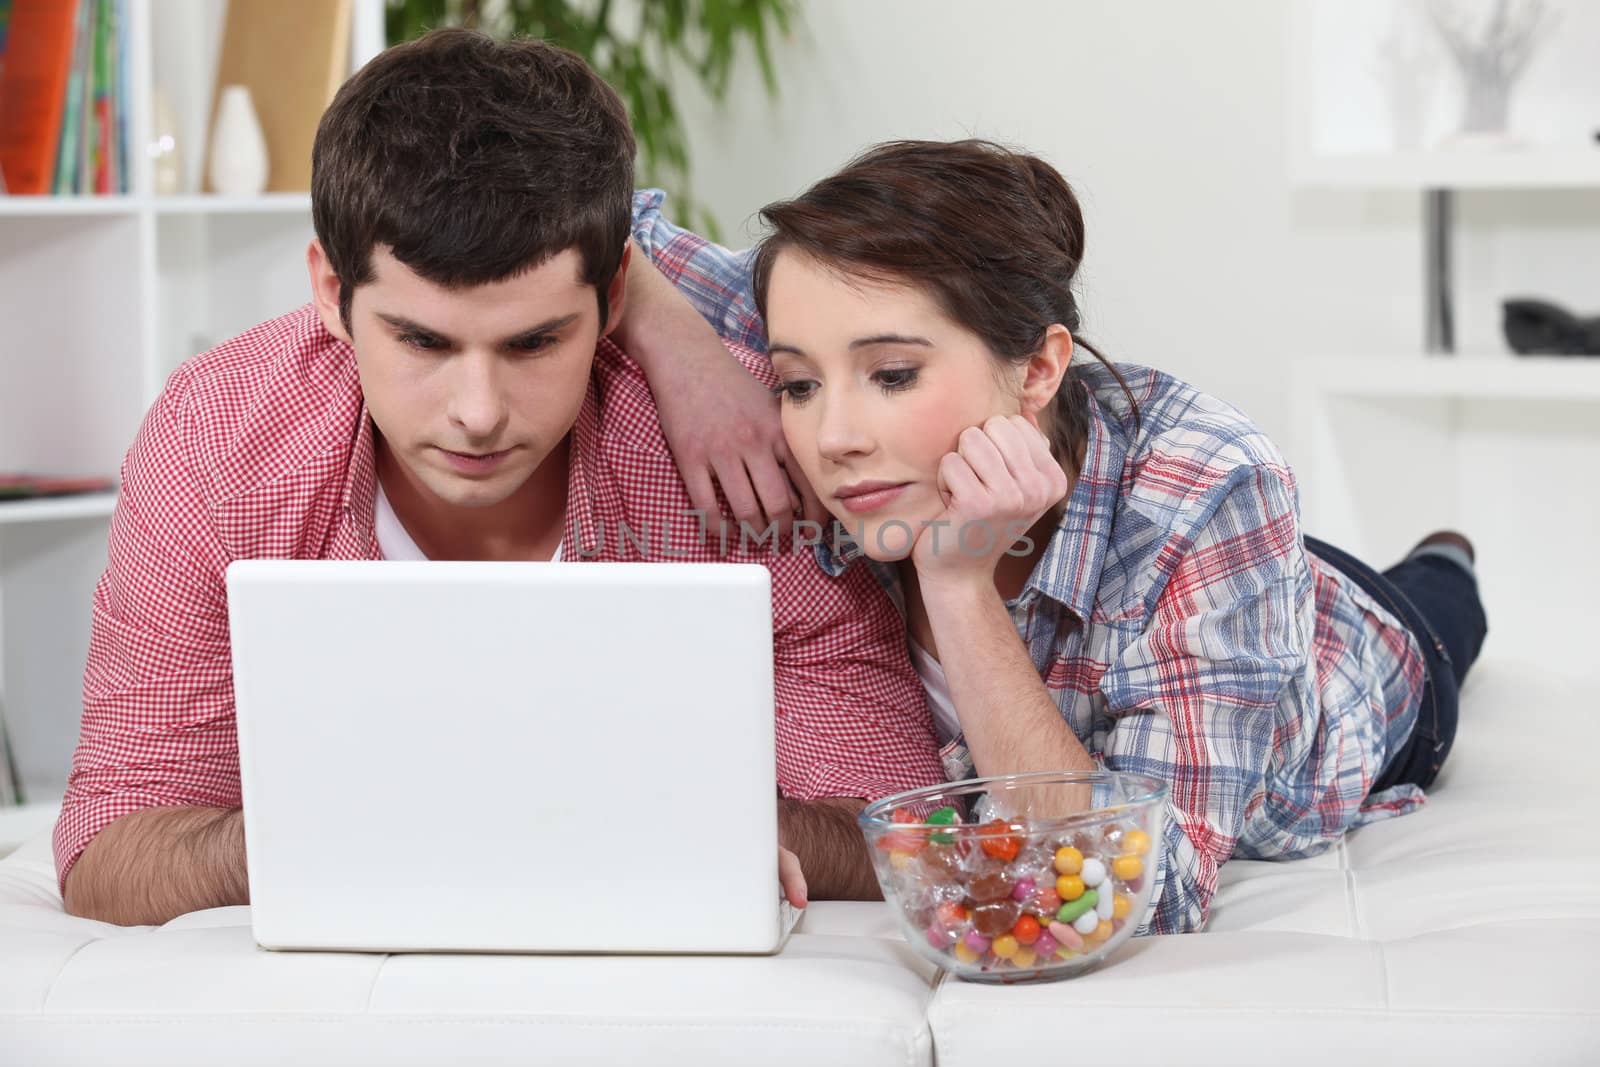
1042 376
325 291
617 292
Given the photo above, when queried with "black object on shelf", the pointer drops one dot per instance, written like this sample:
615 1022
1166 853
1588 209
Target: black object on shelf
1538 327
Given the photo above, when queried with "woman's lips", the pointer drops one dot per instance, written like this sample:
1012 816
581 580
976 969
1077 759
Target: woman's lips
475 463
862 503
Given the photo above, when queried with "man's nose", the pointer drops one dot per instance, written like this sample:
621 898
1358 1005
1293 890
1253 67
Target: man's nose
477 399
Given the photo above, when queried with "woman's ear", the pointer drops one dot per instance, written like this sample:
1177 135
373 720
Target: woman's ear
1042 376
325 291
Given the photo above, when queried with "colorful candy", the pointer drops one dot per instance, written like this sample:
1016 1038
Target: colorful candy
1074 908
998 896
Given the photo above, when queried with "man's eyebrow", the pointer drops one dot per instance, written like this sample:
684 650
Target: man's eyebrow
405 325
889 339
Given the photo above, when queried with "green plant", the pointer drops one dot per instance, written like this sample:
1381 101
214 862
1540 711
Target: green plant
635 46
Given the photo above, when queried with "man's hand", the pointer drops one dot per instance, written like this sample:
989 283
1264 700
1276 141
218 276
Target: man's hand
823 837
722 424
791 878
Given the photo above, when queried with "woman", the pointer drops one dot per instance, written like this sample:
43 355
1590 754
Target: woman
1141 538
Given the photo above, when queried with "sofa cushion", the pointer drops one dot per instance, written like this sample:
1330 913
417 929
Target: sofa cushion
845 990
1466 932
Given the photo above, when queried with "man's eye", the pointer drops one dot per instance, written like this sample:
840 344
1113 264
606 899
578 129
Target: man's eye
796 392
534 344
423 341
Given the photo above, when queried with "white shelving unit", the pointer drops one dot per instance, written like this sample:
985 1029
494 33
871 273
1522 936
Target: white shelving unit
1390 445
103 297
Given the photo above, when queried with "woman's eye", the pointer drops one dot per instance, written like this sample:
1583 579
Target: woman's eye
796 392
896 378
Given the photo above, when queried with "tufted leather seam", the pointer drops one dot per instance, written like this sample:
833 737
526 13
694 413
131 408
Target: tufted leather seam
50 990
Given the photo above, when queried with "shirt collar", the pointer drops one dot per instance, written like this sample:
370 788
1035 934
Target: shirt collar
1069 570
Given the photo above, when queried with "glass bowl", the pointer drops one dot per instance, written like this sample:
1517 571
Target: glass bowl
1012 892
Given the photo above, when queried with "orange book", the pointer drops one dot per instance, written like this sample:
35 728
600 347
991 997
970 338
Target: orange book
33 91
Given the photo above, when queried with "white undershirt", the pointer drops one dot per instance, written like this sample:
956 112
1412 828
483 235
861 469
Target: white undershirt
946 726
393 541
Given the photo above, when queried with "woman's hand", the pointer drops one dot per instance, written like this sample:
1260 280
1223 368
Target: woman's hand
999 481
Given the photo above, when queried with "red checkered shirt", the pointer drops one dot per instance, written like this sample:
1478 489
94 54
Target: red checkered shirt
263 449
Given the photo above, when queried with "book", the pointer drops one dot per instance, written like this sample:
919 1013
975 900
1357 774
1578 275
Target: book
71 132
292 55
40 37
15 486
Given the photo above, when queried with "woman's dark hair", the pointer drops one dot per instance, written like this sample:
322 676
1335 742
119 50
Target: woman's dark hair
995 236
475 160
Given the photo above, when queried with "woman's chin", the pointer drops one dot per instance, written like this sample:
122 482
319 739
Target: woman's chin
885 540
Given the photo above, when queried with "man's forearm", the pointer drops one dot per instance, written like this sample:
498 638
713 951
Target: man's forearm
153 865
833 853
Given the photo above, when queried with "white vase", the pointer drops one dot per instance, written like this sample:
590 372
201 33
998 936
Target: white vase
238 149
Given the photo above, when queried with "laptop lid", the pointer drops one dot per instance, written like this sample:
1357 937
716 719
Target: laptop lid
507 756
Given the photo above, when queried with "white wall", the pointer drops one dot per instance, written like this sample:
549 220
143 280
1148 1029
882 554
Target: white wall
1171 118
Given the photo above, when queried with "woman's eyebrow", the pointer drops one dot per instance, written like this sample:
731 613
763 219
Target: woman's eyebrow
890 339
778 348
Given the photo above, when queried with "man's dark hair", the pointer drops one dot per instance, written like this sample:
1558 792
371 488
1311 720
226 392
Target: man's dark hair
474 160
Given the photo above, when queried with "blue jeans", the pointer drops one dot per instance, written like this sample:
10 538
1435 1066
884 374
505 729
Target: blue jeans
1438 602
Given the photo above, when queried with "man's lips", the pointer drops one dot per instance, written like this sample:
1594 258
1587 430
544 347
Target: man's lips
475 462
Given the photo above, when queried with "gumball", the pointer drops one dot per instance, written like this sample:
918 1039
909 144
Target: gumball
976 942
996 917
1005 946
1087 923
1121 906
1027 930
939 937
1136 842
1046 946
1101 932
1024 889
1068 861
1127 867
1094 872
1025 957
965 954
1069 887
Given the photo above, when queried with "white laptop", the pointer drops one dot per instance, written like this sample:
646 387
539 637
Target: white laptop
508 757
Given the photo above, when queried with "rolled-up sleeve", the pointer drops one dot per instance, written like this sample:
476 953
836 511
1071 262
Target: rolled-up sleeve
713 279
1192 697
157 720
852 720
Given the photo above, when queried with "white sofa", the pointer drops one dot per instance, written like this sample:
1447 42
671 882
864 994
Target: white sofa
1467 933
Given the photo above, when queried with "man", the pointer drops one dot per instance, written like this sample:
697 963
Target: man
452 392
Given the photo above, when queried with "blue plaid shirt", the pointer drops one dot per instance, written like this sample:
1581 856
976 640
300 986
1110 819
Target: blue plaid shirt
1176 619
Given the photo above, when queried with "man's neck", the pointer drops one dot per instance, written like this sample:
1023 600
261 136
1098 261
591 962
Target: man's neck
527 525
